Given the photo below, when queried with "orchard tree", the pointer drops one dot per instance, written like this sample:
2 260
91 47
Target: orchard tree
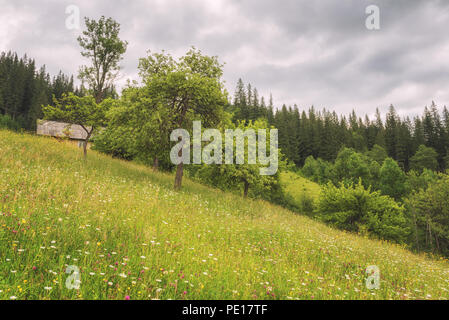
244 175
139 127
189 88
83 111
101 44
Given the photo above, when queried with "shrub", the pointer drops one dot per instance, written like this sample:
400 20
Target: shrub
6 122
355 208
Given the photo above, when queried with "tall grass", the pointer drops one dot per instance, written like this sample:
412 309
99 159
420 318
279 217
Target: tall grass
133 237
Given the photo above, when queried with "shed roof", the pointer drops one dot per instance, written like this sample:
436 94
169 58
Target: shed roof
61 130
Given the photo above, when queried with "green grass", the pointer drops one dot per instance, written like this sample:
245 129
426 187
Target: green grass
132 235
303 192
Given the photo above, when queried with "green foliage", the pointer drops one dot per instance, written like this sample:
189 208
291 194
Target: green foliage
357 209
392 180
378 154
23 89
430 209
83 111
417 181
6 122
244 178
137 128
77 110
101 44
424 158
351 166
183 91
317 170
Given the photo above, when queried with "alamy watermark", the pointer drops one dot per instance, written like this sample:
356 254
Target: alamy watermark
73 281
372 21
234 140
72 22
373 278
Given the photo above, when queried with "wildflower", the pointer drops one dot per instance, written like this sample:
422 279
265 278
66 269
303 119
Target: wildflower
127 298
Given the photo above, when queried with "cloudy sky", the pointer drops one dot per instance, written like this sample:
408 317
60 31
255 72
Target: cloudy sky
304 52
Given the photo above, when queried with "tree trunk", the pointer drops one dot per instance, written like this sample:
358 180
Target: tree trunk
178 178
245 190
89 133
85 148
156 164
180 168
416 229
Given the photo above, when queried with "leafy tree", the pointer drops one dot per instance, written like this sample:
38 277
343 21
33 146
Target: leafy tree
83 111
102 45
430 210
190 88
245 177
424 158
378 154
351 166
317 170
392 179
421 180
132 125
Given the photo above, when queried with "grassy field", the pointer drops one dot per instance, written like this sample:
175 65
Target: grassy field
302 190
133 237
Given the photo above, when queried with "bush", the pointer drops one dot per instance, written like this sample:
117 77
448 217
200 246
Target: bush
354 208
6 122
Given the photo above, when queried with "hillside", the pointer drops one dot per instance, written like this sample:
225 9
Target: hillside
303 192
131 235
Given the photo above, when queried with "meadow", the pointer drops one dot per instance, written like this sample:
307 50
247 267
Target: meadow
133 237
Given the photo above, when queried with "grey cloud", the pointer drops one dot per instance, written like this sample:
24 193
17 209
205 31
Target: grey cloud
305 52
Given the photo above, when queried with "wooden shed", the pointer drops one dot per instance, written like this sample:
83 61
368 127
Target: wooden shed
57 129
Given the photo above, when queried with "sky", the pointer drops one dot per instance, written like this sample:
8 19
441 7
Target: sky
318 53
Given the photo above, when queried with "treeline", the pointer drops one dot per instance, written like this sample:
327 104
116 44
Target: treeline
24 89
322 134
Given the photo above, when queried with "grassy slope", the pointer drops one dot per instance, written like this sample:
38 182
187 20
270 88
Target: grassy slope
114 219
298 186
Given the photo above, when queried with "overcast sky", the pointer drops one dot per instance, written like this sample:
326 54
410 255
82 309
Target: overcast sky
304 52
